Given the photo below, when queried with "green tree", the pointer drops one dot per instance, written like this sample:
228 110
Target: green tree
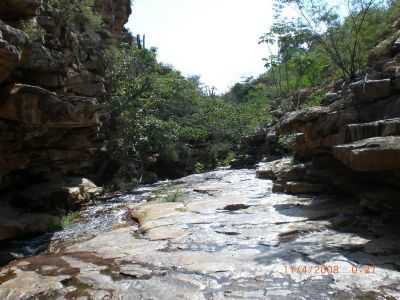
338 27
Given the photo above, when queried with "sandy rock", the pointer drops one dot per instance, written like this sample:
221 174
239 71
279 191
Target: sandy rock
371 89
282 170
371 155
247 253
298 188
35 106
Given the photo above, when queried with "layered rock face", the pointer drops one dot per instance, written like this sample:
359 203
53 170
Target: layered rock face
52 79
352 144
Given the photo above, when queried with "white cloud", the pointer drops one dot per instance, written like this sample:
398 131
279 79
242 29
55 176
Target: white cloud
216 39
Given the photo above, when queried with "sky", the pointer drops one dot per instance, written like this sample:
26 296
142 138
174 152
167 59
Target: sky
215 39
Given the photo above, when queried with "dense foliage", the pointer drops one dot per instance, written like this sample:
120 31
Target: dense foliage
170 124
166 125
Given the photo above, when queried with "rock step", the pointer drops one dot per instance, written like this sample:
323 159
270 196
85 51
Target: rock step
388 127
34 106
371 90
283 169
371 155
33 210
299 188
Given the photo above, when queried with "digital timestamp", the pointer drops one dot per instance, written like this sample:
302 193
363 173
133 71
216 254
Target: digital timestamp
330 269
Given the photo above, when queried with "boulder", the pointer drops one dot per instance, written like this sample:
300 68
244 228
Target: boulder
281 170
295 121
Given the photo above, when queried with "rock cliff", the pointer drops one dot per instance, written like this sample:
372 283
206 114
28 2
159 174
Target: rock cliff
52 84
352 144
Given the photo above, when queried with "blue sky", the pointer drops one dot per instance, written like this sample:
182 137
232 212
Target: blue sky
216 39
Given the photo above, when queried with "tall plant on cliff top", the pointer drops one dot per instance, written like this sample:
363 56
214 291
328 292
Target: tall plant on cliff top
338 27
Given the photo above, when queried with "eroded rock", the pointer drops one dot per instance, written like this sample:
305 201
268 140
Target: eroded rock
371 89
67 193
12 45
298 188
34 106
371 155
12 10
16 223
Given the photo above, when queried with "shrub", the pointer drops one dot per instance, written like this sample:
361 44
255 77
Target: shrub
33 30
77 12
199 168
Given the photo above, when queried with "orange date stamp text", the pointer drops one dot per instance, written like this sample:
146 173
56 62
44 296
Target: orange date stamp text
327 269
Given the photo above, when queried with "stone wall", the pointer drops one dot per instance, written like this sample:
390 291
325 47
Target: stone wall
52 81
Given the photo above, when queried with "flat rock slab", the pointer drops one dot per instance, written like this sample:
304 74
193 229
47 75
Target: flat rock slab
268 246
371 155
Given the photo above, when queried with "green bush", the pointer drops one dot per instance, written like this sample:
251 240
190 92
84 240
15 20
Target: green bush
77 13
199 168
32 29
163 115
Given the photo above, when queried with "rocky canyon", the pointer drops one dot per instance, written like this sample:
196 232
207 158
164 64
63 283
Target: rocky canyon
306 207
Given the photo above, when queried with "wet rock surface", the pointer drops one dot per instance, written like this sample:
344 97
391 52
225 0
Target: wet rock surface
240 241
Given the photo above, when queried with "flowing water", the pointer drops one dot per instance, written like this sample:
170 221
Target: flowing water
219 235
